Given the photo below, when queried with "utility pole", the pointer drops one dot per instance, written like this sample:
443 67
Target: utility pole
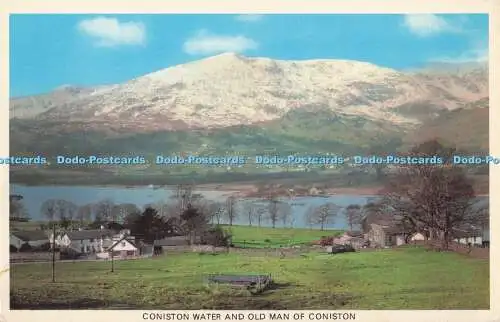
112 261
54 252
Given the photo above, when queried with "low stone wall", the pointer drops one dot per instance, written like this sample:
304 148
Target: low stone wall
208 249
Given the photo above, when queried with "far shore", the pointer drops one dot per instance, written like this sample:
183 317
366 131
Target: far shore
247 190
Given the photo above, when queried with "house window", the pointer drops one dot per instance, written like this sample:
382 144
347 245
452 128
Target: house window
123 244
82 249
91 240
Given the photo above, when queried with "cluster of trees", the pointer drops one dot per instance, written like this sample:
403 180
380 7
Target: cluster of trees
431 198
435 199
17 211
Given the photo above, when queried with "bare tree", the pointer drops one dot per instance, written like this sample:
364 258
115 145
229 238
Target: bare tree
231 212
309 217
70 209
184 196
435 197
121 211
353 215
103 210
84 213
273 210
57 209
164 210
260 212
284 212
211 209
249 210
217 212
17 211
324 214
49 209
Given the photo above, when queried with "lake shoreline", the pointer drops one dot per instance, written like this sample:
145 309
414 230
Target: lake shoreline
243 190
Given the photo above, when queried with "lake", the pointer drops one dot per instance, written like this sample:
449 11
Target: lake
35 196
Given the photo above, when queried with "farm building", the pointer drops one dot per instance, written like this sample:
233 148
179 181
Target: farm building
90 241
34 238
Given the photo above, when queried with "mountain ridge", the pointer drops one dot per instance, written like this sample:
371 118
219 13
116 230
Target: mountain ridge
231 89
232 103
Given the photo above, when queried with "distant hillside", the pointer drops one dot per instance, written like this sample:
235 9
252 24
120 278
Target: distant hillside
235 104
466 128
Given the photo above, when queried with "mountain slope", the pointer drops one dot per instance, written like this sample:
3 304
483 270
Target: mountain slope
231 103
466 128
229 89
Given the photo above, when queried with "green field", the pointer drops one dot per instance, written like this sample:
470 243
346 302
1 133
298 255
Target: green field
404 278
253 237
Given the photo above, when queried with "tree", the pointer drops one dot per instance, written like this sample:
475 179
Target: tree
57 209
17 211
147 226
49 209
434 197
273 210
84 213
194 223
184 196
324 214
369 211
164 210
121 211
285 213
215 212
103 210
353 215
217 237
260 212
249 210
230 209
67 210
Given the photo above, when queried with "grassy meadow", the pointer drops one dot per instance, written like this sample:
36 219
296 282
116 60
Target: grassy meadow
254 237
402 278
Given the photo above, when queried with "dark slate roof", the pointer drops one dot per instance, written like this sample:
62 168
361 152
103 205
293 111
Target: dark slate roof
89 234
354 233
467 231
33 235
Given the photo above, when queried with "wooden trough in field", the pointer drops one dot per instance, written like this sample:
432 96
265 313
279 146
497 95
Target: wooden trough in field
255 284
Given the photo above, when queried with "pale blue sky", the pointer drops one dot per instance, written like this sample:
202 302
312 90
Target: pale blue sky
48 51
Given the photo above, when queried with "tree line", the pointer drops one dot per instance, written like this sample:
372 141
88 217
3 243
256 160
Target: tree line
435 199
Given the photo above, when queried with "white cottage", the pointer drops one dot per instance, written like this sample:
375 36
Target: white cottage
124 247
90 241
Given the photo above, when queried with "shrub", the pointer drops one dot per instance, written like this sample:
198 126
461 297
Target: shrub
217 237
326 241
13 249
25 248
43 248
